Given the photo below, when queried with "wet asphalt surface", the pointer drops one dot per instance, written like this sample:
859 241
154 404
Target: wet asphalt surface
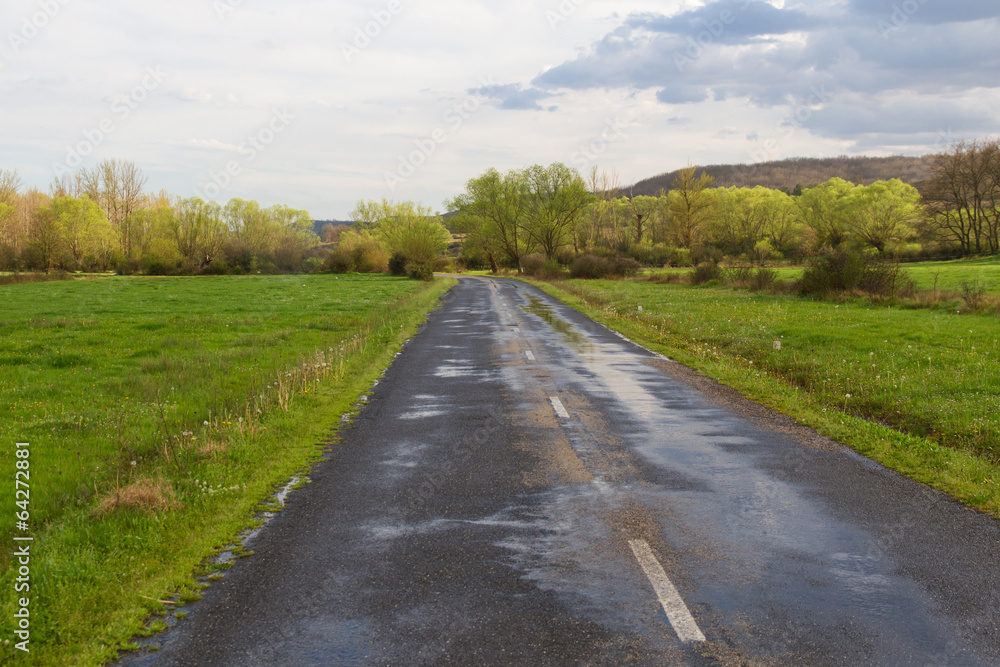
481 508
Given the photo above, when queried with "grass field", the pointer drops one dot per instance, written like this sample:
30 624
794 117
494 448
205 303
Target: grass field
160 412
849 369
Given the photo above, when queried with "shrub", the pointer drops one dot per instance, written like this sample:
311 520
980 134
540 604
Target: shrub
974 295
217 267
312 264
843 271
443 265
590 267
738 276
420 270
532 264
565 256
397 264
339 261
625 266
706 272
763 279
681 257
368 256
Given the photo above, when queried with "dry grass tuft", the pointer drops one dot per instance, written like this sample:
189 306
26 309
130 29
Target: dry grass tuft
144 495
213 448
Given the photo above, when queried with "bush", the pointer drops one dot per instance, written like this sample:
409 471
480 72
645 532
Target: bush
532 264
974 295
217 267
420 270
590 267
763 279
843 271
397 264
706 272
625 266
339 261
565 256
368 256
443 265
681 257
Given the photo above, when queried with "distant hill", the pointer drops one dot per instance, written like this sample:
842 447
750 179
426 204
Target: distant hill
803 171
318 225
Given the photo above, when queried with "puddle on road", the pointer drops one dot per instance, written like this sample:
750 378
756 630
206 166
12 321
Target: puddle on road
539 308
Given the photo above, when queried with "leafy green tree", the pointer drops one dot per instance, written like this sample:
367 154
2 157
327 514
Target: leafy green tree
198 229
555 198
690 204
408 232
740 219
823 211
83 227
883 213
492 211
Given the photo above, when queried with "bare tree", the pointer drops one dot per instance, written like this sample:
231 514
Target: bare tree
964 194
116 186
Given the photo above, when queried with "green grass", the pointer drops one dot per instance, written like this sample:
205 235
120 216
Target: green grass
211 390
851 369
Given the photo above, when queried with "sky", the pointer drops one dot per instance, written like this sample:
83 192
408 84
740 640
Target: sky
317 105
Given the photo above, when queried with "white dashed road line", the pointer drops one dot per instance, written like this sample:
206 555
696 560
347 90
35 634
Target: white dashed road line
530 355
680 618
559 407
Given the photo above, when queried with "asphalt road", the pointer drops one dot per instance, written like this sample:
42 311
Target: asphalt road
526 487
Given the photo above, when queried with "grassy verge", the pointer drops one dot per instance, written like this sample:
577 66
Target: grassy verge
160 413
916 390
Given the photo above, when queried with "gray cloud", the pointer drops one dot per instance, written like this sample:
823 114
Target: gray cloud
934 12
514 97
728 22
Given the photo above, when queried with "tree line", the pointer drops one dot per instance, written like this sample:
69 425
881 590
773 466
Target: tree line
101 219
552 211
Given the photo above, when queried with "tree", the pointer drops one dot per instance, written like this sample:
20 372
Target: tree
408 232
690 204
882 213
555 197
822 210
492 212
83 227
740 218
10 186
198 229
964 195
116 185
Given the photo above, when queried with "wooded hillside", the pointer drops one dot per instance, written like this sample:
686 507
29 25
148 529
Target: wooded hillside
786 174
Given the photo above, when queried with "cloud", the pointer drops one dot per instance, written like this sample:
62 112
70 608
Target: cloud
932 12
728 22
514 97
